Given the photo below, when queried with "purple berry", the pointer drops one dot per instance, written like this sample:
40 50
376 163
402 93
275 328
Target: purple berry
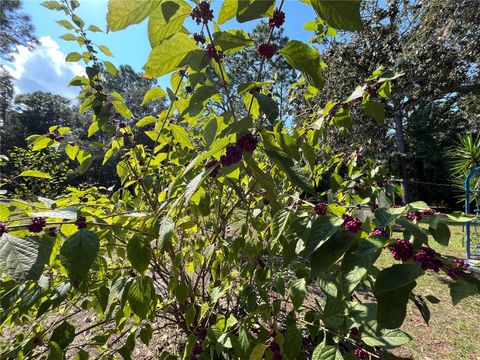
351 223
52 231
37 224
277 19
379 232
429 212
361 353
277 356
3 228
273 346
197 349
266 50
401 250
414 215
320 208
232 156
247 143
202 12
213 164
428 259
199 38
81 222
212 53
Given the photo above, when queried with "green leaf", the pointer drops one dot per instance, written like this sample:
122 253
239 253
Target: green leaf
105 50
326 352
122 109
68 37
72 151
168 55
73 57
392 305
306 59
343 15
78 254
85 160
414 230
112 70
125 13
267 105
257 352
461 289
52 5
396 276
231 41
293 169
181 136
227 11
330 251
388 338
94 28
297 292
35 173
202 94
165 233
323 227
141 296
441 233
167 20
24 259
139 253
153 94
63 334
374 109
254 9
292 345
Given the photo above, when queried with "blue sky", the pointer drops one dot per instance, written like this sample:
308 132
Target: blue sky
44 70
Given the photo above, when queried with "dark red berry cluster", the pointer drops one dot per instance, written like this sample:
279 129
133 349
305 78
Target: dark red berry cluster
428 259
351 223
401 250
246 144
414 215
429 212
202 12
215 165
458 268
37 224
3 228
361 353
277 19
355 334
188 89
275 349
379 232
81 222
320 208
199 38
55 137
52 231
213 53
266 50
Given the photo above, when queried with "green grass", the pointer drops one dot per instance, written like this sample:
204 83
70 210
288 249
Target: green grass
453 331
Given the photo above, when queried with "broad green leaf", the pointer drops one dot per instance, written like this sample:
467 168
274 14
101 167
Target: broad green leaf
257 352
305 59
139 253
105 50
142 297
243 88
280 222
168 55
392 305
122 109
267 105
441 233
153 94
181 136
414 230
165 233
264 179
73 57
94 28
227 11
254 9
326 352
330 251
323 227
388 338
24 259
396 276
125 13
72 151
66 24
85 160
63 334
68 213
461 289
374 109
78 254
112 70
167 20
231 41
292 345
342 15
297 292
35 173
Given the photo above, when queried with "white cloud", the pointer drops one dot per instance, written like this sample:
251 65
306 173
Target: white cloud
44 69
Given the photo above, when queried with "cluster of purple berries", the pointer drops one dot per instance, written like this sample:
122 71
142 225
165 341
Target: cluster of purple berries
401 250
277 19
428 259
351 223
213 53
458 268
379 232
361 353
244 145
320 208
199 38
81 222
414 215
3 228
52 231
266 50
429 212
37 224
54 137
202 12
275 349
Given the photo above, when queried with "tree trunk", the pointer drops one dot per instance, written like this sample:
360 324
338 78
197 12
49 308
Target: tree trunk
402 156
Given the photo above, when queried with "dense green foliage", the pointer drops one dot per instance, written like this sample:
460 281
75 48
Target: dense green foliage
245 238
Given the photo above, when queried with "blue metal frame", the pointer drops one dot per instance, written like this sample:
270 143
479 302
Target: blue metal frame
467 207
